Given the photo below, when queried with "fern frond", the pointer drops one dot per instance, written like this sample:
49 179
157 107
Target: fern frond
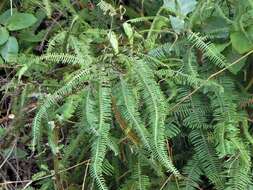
246 103
137 180
123 124
48 8
226 118
240 177
239 169
61 58
107 8
89 117
55 41
189 80
143 180
127 106
193 172
161 52
191 66
100 142
141 19
209 50
209 160
156 109
56 97
81 48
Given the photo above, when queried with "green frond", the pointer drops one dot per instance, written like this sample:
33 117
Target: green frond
193 174
89 118
240 177
107 8
61 58
208 49
238 168
227 119
54 98
189 80
137 180
82 50
143 180
68 109
171 130
209 160
48 7
161 52
141 19
156 109
99 145
56 42
127 105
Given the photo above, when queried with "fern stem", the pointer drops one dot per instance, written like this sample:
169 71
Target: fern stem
58 181
154 21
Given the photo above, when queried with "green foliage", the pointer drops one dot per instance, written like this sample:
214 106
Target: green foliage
127 94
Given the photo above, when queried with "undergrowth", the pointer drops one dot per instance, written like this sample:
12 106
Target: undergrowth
126 94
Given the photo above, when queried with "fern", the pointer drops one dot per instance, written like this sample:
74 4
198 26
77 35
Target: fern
53 44
130 113
100 141
48 8
208 49
151 94
206 155
137 179
63 58
53 99
139 109
107 8
240 176
194 173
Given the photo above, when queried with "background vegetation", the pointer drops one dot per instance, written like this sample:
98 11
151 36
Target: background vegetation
126 94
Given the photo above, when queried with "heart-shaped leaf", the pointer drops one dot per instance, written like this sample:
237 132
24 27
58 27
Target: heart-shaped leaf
4 35
187 6
29 36
216 26
20 21
177 24
232 56
170 4
183 7
240 42
6 15
9 49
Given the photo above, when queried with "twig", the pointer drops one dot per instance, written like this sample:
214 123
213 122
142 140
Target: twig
209 78
167 180
12 168
40 48
249 85
85 175
47 176
9 154
29 183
